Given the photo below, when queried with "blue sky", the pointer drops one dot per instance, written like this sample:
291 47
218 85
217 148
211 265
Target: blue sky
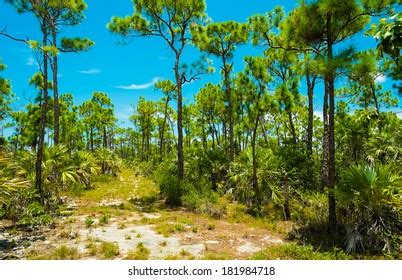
124 72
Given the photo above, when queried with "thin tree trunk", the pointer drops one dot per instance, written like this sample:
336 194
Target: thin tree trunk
310 126
91 136
56 105
228 91
104 137
254 156
42 123
180 153
292 127
331 135
161 145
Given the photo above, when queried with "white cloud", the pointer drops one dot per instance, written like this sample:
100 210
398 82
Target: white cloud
139 86
32 62
380 79
90 71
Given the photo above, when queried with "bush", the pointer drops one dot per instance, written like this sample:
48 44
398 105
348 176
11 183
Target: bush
140 253
65 253
298 252
170 186
89 222
109 250
25 209
369 198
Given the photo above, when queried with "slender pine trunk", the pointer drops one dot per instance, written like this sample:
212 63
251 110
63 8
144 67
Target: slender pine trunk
42 123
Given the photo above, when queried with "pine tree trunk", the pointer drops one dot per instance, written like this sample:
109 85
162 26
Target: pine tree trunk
331 134
91 136
42 123
56 105
228 91
254 156
292 127
180 153
310 126
161 150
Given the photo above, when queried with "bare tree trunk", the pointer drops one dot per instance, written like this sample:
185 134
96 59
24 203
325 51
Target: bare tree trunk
161 144
331 135
292 127
56 105
91 138
228 91
42 123
310 126
254 156
180 153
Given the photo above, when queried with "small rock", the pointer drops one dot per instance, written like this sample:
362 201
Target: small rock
272 240
248 248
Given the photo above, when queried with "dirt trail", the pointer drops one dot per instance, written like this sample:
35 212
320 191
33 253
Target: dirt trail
119 212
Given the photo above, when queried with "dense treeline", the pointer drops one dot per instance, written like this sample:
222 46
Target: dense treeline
253 138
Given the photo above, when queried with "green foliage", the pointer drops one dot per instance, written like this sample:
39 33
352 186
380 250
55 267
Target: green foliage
170 186
76 44
104 220
140 253
89 222
371 199
65 253
6 95
298 252
109 250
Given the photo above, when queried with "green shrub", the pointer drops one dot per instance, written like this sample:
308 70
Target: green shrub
89 222
369 197
109 250
65 253
298 252
172 189
104 220
140 253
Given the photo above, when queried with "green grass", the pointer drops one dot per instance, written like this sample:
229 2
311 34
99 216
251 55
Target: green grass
109 250
65 253
140 253
104 220
89 222
218 256
167 229
298 252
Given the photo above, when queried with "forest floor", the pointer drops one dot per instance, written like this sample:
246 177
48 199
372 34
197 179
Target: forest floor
122 218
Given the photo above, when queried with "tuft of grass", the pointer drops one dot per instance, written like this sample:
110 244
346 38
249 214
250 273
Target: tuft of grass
65 253
210 226
222 255
184 253
89 222
140 253
104 220
298 252
127 236
109 250
92 248
167 229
